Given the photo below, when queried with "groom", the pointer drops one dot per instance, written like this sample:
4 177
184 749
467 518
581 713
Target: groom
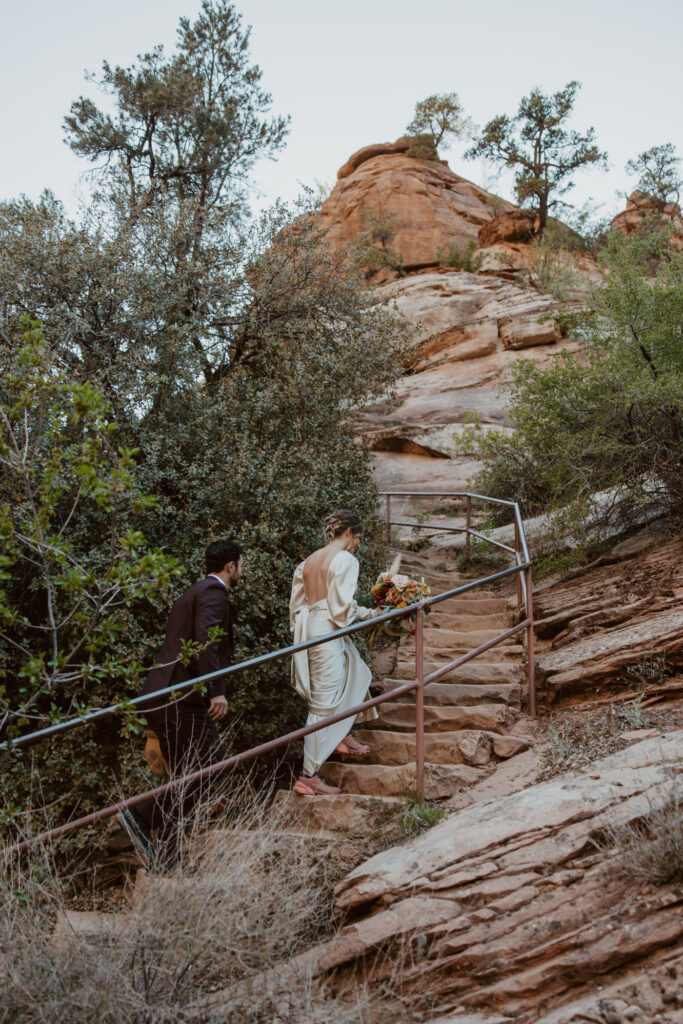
189 739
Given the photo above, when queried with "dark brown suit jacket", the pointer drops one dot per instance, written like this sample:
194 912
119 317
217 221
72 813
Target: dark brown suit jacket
204 605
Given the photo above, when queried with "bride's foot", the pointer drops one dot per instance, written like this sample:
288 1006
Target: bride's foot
350 745
313 785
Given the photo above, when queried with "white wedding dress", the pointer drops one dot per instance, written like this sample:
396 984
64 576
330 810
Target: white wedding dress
332 676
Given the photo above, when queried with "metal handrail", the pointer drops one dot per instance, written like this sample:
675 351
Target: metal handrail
522 571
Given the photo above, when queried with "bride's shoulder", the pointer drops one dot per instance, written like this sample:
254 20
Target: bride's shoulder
343 561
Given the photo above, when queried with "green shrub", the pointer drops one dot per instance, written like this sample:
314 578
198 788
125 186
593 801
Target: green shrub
462 259
599 442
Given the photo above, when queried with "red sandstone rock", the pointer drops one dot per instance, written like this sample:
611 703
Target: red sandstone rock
368 152
433 207
638 206
509 226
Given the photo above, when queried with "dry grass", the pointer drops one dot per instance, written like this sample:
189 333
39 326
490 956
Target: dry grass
247 899
576 740
650 849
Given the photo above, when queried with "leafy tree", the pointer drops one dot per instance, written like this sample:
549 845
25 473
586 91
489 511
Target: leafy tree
230 351
658 176
542 150
66 604
439 118
601 442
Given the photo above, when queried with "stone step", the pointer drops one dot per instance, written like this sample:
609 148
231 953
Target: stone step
470 604
465 622
449 605
441 781
438 718
455 639
474 689
468 746
352 813
435 658
87 924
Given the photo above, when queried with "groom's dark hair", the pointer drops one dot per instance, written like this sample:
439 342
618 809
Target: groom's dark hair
220 553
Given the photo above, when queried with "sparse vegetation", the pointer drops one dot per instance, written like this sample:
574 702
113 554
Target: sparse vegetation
416 817
437 119
657 173
467 259
650 849
375 251
575 741
211 942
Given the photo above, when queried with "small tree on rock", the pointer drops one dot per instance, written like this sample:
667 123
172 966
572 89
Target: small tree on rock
658 174
439 118
542 151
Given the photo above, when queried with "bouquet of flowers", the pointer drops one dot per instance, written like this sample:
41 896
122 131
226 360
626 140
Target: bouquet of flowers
394 589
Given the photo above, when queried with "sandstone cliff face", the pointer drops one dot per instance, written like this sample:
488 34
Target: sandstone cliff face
471 327
432 205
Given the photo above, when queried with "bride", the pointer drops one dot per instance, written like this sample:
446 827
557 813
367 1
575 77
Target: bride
331 676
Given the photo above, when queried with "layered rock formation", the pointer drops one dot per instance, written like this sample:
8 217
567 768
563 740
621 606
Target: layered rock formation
470 326
433 207
508 909
615 627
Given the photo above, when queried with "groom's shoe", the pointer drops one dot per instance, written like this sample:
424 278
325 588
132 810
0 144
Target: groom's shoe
313 785
135 825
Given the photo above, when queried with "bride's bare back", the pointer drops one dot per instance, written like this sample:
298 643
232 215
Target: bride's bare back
315 572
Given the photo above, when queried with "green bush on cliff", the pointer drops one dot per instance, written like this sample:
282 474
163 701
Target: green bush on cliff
611 422
228 353
467 259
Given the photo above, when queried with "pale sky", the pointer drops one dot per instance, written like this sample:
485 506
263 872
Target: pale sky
349 74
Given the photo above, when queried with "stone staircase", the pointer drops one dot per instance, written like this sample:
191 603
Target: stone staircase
472 717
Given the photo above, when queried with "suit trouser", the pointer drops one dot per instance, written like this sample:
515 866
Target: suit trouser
189 740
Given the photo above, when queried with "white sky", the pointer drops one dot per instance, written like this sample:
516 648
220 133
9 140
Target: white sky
349 74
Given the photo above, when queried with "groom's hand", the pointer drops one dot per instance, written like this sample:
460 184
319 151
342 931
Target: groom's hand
218 708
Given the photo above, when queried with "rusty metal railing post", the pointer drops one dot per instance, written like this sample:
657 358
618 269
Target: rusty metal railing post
520 559
468 539
419 706
530 642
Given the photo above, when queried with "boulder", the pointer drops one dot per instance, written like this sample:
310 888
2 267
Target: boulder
639 206
523 332
508 226
368 152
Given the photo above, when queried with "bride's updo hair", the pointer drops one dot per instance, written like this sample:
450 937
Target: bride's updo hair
338 522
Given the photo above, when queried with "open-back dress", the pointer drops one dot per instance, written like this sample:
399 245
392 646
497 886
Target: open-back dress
332 676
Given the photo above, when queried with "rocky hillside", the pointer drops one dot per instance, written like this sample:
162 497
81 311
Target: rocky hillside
470 326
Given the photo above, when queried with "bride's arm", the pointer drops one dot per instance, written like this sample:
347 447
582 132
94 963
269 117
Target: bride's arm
341 588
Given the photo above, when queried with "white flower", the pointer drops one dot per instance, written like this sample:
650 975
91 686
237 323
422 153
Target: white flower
400 581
